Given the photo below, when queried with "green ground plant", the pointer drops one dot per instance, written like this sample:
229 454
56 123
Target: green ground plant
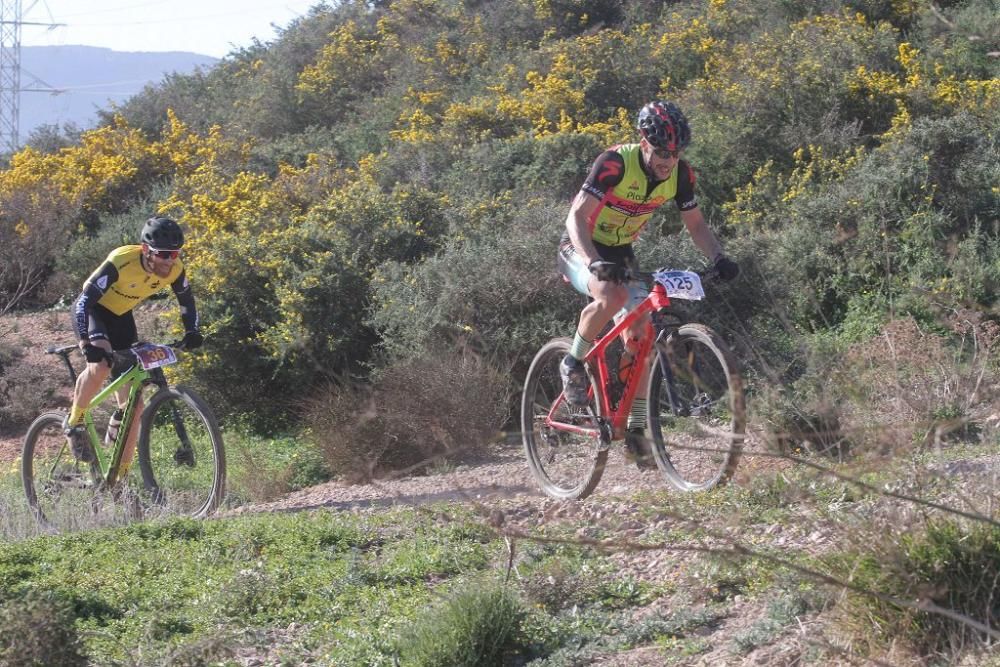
39 630
949 565
481 624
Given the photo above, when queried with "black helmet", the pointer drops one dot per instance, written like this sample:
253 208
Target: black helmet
664 126
162 233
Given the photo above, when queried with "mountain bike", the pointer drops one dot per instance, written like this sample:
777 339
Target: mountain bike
697 413
179 448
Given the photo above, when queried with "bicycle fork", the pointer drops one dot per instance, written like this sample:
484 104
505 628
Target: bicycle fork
661 347
185 452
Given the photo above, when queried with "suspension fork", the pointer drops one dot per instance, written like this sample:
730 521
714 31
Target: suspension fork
660 348
185 452
184 455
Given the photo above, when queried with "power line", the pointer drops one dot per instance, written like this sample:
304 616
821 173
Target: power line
173 19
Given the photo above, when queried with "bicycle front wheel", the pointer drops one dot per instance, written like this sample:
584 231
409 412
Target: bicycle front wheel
60 490
566 465
181 456
697 415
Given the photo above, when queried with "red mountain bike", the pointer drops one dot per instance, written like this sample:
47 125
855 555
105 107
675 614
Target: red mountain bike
697 412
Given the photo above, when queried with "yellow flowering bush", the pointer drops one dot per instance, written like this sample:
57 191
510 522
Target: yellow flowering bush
758 203
353 60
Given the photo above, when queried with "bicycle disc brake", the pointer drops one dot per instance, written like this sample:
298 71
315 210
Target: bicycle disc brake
184 456
701 405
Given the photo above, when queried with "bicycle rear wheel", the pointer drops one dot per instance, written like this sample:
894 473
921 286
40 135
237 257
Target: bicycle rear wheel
181 456
60 490
697 413
566 465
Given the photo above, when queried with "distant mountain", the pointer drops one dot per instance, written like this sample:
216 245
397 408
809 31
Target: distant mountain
91 78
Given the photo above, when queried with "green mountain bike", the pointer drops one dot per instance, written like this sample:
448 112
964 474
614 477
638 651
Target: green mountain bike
179 449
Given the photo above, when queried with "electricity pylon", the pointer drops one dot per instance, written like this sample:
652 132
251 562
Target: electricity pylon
10 72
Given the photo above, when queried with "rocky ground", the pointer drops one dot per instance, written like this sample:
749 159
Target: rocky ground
502 490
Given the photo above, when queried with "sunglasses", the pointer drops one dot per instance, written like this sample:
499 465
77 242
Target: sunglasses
165 254
664 154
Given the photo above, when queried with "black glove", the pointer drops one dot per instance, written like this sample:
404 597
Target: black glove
608 271
192 340
96 355
726 268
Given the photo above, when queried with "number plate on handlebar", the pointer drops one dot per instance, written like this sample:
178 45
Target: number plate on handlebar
153 356
681 284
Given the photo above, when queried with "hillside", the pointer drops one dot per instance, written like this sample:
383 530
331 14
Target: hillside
372 205
785 566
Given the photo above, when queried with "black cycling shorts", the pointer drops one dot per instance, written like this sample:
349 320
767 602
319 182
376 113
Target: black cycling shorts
119 330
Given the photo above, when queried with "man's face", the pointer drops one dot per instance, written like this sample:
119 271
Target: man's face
660 162
161 261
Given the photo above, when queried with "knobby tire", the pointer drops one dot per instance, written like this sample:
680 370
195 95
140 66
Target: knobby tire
697 417
565 465
181 454
59 489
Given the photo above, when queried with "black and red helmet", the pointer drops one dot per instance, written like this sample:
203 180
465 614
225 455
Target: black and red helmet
664 126
162 233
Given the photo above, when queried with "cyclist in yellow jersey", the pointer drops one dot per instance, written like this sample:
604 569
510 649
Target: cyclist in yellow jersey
103 316
626 184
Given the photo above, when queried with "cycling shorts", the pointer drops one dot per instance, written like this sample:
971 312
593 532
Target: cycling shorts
119 330
577 272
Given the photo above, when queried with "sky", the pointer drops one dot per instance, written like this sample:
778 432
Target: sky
209 27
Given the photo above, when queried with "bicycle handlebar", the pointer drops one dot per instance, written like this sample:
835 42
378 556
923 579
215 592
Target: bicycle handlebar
114 357
128 356
708 275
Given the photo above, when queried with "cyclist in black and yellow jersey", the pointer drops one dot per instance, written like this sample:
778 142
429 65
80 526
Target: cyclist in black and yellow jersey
104 322
626 184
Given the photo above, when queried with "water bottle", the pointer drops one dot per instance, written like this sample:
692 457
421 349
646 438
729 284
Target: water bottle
113 423
625 362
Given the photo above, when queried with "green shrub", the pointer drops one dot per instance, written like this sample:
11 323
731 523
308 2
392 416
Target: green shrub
261 469
39 631
948 565
561 583
87 251
555 165
498 289
838 238
294 316
760 100
479 626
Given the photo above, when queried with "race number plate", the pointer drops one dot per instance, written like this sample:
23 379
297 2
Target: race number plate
153 356
681 284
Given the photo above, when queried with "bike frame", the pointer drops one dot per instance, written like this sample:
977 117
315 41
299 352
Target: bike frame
109 465
654 301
